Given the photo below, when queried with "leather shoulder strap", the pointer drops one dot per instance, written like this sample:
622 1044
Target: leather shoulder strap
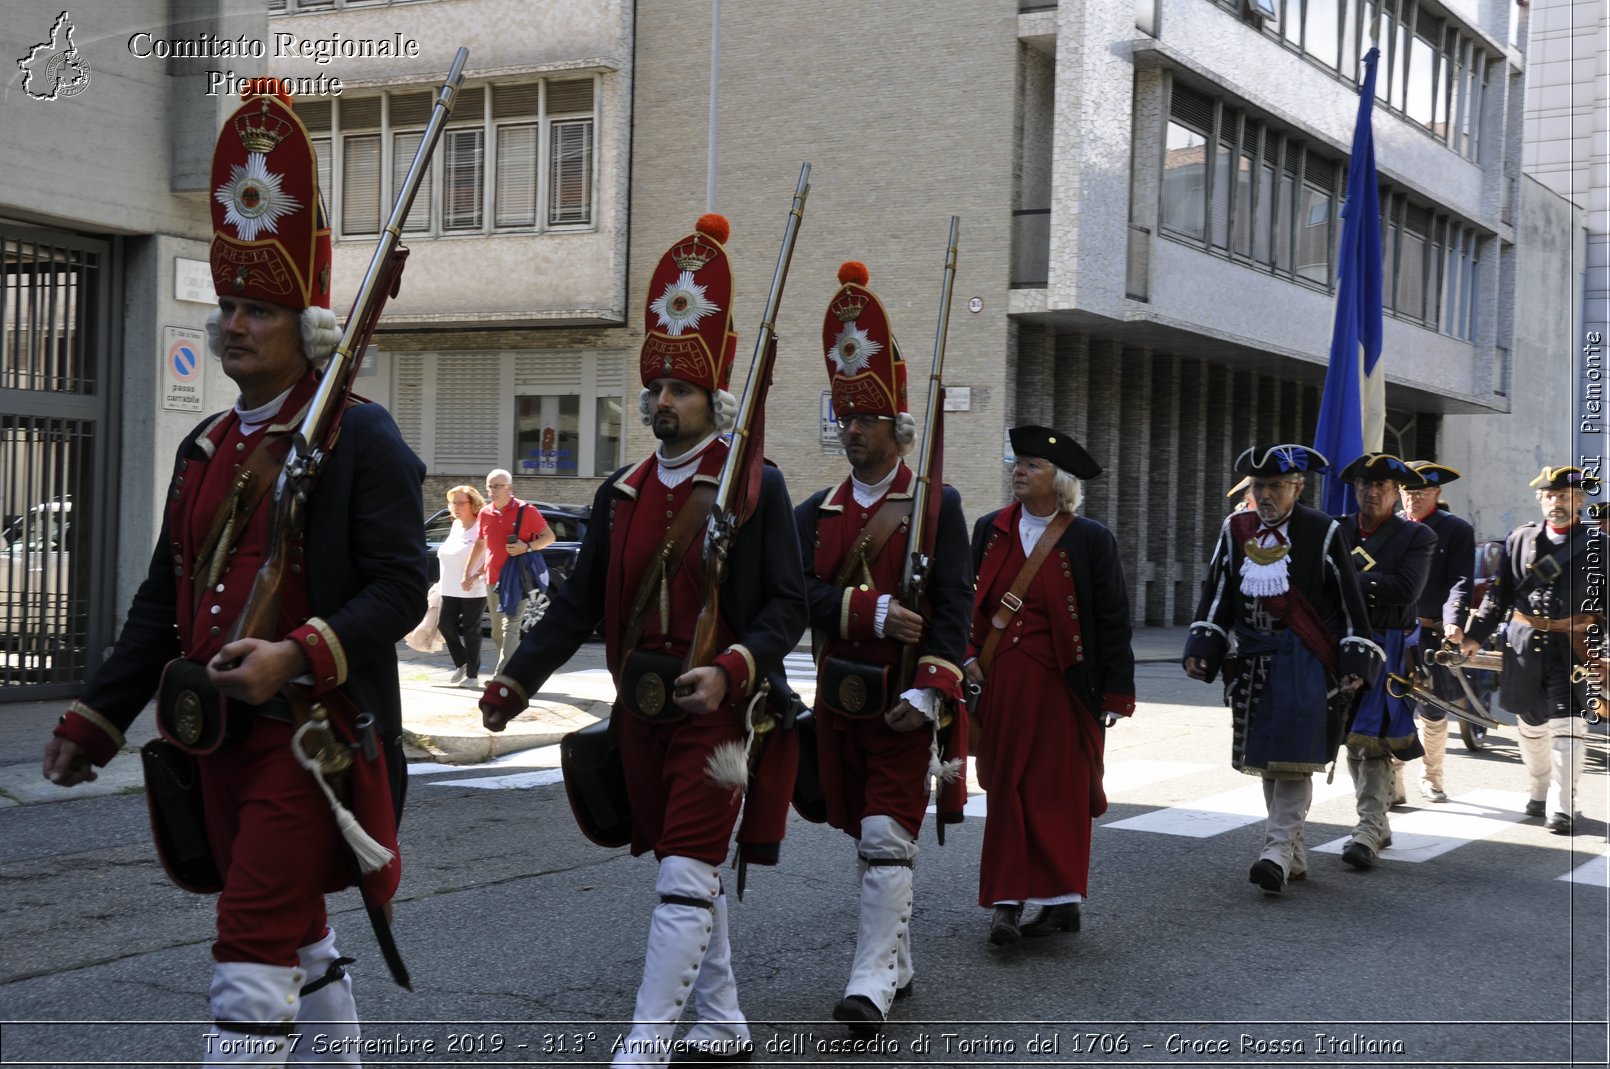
873 538
673 550
251 484
1012 600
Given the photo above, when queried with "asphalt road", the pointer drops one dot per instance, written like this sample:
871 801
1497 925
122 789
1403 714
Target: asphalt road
1470 944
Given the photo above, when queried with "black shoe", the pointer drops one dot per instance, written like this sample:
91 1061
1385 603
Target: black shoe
1003 927
1063 917
1535 809
712 1054
904 991
1560 824
860 1014
1358 855
1268 875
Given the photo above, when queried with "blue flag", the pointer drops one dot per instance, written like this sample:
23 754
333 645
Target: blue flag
1352 411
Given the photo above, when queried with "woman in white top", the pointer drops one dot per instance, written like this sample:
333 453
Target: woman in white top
463 581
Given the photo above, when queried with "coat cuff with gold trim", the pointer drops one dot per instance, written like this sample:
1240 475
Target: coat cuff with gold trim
739 664
1122 704
326 657
858 613
96 735
939 674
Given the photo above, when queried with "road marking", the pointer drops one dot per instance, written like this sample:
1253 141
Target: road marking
541 757
514 782
1218 813
1594 872
1127 775
1431 832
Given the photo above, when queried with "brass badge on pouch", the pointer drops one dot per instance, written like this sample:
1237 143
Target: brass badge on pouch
187 719
852 694
650 694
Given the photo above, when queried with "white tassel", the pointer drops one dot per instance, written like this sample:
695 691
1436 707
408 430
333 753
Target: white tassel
728 766
945 771
370 855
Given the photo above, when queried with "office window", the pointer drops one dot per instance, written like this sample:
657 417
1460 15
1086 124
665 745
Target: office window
535 139
1253 193
1431 70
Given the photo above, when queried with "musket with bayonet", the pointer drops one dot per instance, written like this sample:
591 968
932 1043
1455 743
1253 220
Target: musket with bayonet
314 438
739 490
927 488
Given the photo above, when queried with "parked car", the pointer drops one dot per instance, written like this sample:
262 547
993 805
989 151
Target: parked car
568 523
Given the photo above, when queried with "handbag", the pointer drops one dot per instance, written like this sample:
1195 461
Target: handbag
426 637
595 784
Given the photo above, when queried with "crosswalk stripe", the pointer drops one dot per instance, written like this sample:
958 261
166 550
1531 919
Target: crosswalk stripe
515 781
1218 813
1428 833
1595 872
1128 775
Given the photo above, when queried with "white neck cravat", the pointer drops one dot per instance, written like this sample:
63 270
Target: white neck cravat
867 494
675 472
1029 529
253 420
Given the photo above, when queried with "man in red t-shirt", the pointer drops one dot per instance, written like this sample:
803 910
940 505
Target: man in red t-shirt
498 518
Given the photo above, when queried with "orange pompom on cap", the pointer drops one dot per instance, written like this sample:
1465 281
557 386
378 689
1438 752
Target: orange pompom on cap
853 271
714 226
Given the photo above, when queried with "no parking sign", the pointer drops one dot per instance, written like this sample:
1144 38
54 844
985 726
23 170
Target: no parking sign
184 356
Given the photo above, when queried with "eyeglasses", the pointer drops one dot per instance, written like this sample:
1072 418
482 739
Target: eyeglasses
461 501
862 421
496 486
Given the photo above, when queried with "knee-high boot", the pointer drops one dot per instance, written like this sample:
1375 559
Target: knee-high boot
254 1009
678 938
1566 760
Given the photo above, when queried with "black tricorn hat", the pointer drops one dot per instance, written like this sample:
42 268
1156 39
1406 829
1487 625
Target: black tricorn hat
1433 474
1060 449
1374 466
1267 460
1564 478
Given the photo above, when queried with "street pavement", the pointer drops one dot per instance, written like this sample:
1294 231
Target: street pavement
1479 939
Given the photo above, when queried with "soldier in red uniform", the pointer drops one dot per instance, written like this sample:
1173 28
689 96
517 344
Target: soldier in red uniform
1052 646
682 733
355 586
878 745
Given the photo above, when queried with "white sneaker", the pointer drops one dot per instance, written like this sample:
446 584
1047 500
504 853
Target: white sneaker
470 683
457 677
1431 792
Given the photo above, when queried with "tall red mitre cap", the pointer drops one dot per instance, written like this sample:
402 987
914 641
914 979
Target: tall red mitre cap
864 369
687 318
271 239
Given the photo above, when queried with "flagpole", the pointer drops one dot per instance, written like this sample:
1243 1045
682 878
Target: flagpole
715 89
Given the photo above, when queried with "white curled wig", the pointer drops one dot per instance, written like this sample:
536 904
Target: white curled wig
1070 491
723 409
905 430
321 333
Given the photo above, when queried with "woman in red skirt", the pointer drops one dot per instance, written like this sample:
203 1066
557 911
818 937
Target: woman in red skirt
1051 645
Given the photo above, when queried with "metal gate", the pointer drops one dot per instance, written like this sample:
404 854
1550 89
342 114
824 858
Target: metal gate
57 415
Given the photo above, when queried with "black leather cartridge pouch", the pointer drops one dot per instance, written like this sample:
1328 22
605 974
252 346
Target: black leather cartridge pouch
853 688
191 713
647 680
